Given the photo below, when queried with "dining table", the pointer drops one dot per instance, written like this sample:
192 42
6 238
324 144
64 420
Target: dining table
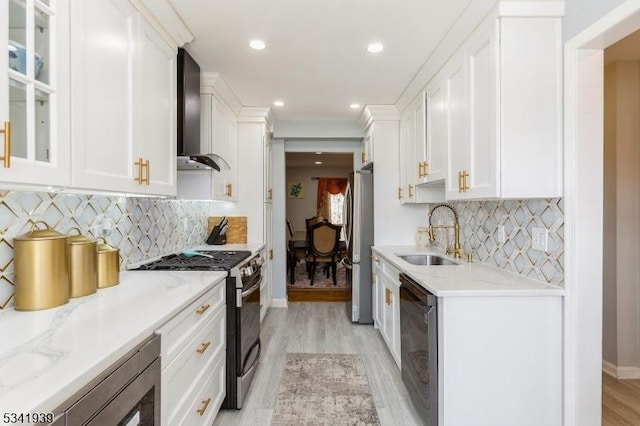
300 243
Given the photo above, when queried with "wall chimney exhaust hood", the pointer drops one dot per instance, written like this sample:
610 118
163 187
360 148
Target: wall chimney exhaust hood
189 154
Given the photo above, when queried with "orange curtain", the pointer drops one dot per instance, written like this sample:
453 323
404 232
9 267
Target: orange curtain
328 186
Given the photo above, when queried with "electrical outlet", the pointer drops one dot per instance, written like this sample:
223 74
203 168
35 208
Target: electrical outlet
540 239
501 235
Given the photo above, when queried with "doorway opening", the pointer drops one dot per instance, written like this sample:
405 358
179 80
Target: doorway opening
584 203
316 185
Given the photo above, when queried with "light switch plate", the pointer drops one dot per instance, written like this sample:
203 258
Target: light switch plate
540 239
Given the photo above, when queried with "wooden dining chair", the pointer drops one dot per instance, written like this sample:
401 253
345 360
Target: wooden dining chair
324 248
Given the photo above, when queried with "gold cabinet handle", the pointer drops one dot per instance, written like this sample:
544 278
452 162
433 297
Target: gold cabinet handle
363 157
7 144
203 347
269 194
420 169
271 254
147 165
399 193
202 309
140 164
459 181
228 190
387 296
425 168
203 407
465 175
410 191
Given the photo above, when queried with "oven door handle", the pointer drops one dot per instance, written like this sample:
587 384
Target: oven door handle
251 290
249 353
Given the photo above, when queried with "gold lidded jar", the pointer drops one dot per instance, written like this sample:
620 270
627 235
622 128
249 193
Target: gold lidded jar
108 264
41 269
83 265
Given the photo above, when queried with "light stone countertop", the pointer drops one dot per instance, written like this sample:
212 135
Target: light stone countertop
465 279
48 355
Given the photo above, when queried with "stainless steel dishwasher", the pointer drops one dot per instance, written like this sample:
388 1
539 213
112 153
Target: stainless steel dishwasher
419 347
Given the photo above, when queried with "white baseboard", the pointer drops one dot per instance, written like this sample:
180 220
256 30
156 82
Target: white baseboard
279 303
620 372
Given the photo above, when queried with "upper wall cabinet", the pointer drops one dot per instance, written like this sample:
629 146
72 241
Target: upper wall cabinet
504 107
366 156
421 161
34 93
122 101
219 135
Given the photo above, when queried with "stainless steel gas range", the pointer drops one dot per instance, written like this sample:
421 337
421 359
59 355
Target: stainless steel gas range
243 309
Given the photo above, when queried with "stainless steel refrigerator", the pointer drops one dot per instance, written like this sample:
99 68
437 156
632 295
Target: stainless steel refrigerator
359 238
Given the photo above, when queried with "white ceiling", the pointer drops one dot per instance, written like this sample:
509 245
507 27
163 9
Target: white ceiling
316 59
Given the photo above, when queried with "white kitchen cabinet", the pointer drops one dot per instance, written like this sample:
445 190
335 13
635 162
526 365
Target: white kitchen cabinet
193 350
122 101
505 110
415 157
389 314
267 139
34 93
500 360
366 155
436 131
219 135
378 297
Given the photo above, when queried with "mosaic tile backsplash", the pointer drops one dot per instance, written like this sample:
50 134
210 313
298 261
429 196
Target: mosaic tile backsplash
479 235
141 227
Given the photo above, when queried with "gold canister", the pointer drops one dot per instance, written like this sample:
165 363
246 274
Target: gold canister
41 269
108 264
83 265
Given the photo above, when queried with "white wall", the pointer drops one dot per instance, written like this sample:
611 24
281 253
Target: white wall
318 130
621 231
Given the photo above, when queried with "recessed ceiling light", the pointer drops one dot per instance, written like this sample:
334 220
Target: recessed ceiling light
375 47
278 103
318 152
318 162
354 106
257 44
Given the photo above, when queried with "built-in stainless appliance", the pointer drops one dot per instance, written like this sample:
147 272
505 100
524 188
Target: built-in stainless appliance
127 393
358 214
419 347
243 310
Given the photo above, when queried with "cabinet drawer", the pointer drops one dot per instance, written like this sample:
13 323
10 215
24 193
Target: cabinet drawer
196 358
202 405
178 331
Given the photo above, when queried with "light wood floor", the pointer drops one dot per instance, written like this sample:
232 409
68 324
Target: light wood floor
321 328
620 402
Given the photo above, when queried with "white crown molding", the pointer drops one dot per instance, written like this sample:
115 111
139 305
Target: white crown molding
372 113
256 115
166 20
213 83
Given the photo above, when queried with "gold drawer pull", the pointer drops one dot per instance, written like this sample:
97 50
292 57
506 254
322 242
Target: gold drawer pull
399 193
7 144
425 168
410 191
465 186
202 309
387 296
148 178
203 407
228 190
203 347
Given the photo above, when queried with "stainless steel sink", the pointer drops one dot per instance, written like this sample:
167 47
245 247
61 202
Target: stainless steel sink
425 259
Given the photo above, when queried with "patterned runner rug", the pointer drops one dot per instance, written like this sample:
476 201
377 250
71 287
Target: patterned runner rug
324 389
320 279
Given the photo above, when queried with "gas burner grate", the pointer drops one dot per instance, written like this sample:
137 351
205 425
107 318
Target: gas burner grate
221 261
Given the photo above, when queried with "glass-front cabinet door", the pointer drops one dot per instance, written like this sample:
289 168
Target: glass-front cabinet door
34 93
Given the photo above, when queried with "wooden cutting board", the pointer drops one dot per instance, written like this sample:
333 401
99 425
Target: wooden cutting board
237 231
